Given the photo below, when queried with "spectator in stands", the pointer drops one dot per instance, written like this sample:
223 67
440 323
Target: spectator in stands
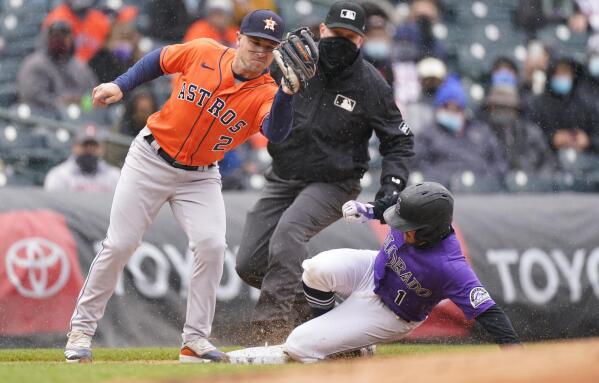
535 67
587 15
139 105
217 25
378 45
420 114
168 20
523 144
119 52
505 73
453 144
84 170
90 26
415 38
532 15
243 7
589 86
566 119
232 171
51 77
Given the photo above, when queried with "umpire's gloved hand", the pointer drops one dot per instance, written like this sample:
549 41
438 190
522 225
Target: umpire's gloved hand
354 211
391 185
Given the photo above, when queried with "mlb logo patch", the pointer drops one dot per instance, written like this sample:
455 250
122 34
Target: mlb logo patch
345 103
348 14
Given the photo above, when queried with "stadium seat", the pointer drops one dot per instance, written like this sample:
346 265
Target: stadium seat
17 48
467 182
564 42
19 7
518 182
8 94
14 26
577 163
9 68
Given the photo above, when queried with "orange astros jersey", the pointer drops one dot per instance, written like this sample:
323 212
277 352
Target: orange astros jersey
208 113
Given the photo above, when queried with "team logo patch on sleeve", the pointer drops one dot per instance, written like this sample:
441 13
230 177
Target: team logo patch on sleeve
478 296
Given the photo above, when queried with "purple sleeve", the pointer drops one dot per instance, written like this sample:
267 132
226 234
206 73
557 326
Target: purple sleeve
146 69
277 125
465 290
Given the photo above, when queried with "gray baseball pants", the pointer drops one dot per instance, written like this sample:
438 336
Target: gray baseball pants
276 234
147 182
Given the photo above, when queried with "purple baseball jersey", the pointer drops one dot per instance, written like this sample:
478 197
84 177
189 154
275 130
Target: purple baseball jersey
411 281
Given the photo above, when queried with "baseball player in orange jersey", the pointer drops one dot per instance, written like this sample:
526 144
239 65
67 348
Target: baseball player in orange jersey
222 97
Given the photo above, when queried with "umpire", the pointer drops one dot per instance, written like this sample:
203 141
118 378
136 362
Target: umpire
319 167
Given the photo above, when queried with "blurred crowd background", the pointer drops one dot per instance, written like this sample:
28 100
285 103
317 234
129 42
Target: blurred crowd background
502 95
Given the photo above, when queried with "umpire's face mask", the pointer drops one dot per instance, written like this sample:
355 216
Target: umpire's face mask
336 54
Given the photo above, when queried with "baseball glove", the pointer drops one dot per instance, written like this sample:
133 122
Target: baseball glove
297 57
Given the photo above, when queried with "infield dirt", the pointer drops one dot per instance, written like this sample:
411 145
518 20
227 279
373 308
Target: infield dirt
572 361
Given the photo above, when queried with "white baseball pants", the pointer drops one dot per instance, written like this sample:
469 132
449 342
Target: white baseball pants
361 320
146 183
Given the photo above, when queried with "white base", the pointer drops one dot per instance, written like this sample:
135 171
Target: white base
192 359
259 355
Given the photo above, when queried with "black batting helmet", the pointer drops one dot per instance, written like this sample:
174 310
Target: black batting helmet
426 208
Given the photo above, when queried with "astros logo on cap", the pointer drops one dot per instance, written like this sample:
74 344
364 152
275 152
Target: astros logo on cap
269 24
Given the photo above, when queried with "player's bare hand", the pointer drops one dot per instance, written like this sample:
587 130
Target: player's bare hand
106 94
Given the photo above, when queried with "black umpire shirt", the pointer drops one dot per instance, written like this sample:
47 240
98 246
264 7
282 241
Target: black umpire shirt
333 120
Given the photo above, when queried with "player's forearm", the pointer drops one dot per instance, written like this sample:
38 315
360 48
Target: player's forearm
146 69
277 125
498 325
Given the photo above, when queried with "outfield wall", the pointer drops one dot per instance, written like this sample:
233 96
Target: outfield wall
538 255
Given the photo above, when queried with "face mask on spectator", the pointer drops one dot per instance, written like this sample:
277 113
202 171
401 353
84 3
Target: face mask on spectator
377 49
59 47
88 163
123 50
503 118
504 77
561 84
336 54
594 66
452 121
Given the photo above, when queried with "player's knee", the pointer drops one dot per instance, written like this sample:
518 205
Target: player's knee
286 232
317 274
300 346
121 248
212 247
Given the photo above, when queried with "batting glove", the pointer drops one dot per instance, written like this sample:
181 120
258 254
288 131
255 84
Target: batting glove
354 211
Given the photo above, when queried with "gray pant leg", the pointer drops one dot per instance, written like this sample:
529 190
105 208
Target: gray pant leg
260 223
317 206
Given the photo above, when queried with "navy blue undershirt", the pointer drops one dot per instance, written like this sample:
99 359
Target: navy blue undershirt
276 126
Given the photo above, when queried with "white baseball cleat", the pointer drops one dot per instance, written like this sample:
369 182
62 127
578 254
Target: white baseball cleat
78 348
201 351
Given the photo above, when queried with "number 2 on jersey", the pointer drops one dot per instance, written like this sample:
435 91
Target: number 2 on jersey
222 142
400 296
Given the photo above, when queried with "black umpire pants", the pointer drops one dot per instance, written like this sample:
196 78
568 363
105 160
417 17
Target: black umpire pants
275 239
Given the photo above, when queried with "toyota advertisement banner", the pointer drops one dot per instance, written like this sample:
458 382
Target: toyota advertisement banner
538 255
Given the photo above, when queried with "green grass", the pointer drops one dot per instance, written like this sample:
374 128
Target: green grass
147 364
